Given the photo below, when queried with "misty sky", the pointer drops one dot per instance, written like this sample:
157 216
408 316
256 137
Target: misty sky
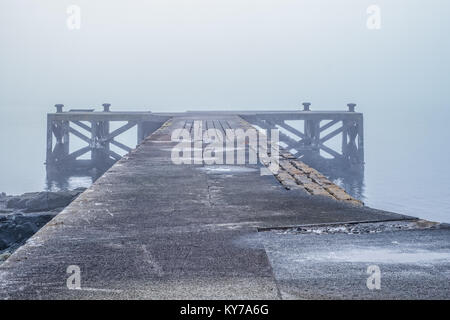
175 55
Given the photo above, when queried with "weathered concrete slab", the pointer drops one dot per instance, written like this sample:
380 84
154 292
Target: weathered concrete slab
154 230
413 264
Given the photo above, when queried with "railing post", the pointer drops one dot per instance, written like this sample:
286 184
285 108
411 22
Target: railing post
94 147
361 140
49 154
315 124
344 138
140 132
59 128
105 133
311 130
66 137
63 148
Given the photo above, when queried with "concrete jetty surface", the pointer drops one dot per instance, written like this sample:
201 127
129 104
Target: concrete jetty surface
151 229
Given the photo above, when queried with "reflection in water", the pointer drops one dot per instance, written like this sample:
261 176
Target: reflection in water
349 177
69 180
331 142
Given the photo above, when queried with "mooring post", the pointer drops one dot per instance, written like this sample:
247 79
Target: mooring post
306 106
59 108
351 107
106 107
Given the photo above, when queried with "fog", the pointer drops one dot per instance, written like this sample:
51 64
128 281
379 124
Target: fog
174 55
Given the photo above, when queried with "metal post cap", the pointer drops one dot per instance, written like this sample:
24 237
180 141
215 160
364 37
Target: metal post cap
306 106
351 107
59 107
106 107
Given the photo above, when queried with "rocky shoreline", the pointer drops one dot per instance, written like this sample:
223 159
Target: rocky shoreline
22 216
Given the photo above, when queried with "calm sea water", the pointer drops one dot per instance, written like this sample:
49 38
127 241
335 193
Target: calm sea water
405 171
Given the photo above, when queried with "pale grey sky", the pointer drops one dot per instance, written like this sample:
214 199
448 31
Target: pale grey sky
178 54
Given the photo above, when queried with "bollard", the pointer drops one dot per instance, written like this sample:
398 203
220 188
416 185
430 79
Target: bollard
106 107
59 107
306 106
351 107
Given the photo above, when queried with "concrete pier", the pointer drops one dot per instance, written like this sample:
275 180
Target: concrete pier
151 229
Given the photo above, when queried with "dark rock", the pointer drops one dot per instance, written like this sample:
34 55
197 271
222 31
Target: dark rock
25 230
19 202
7 234
15 229
27 213
48 200
3 244
43 201
4 256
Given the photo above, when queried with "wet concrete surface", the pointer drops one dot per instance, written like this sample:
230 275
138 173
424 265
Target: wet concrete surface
413 264
149 229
